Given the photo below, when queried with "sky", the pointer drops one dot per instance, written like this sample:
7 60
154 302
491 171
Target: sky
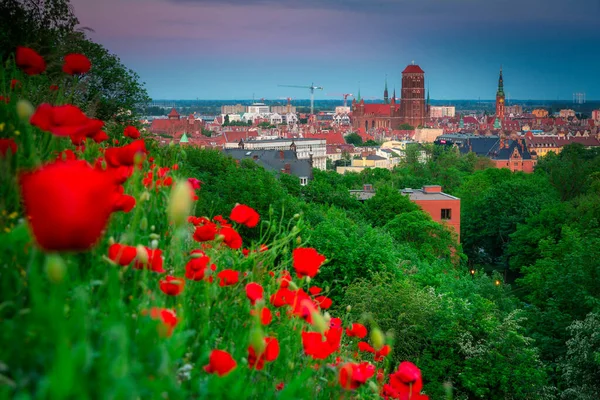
244 49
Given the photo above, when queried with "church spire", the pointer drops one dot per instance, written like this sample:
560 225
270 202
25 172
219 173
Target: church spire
358 99
427 97
500 84
386 99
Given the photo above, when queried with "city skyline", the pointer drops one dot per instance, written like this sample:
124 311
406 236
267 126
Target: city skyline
188 49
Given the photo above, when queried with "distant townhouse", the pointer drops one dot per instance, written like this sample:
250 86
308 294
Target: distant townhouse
442 207
278 161
306 149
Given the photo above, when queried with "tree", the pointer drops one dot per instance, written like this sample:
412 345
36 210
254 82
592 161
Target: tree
580 367
226 120
354 138
386 205
406 127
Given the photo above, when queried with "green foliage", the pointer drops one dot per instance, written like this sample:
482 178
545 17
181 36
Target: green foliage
569 171
406 127
494 202
353 138
416 228
581 365
386 205
354 250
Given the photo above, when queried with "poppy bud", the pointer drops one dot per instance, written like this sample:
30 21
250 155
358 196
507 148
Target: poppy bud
171 144
154 235
24 109
308 279
180 203
154 244
144 223
377 338
374 388
145 196
141 254
111 241
296 216
299 240
292 285
257 340
319 322
55 268
152 228
348 308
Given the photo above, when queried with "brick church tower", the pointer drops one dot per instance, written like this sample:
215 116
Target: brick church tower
412 96
500 97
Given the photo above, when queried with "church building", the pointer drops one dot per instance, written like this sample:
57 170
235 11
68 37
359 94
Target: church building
410 110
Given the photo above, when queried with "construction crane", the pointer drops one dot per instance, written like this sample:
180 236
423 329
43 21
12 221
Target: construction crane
344 95
312 89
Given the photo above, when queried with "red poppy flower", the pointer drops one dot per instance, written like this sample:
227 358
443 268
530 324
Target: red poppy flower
100 137
357 330
67 204
323 301
168 181
29 61
221 221
126 155
53 88
254 292
220 362
285 279
7 145
354 375
5 99
195 183
131 132
65 120
265 315
270 353
228 277
282 297
407 379
168 320
155 261
66 155
242 214
76 64
15 84
205 232
280 386
378 355
231 237
307 261
314 290
171 285
197 268
124 202
315 346
122 254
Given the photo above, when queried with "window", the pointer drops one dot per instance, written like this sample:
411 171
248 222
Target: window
303 181
446 213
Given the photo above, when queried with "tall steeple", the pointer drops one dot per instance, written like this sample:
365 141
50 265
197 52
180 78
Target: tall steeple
500 91
386 99
358 98
394 95
427 98
500 97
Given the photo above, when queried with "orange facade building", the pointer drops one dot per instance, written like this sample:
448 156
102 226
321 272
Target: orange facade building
442 207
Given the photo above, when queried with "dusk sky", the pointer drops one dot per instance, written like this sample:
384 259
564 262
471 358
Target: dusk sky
234 49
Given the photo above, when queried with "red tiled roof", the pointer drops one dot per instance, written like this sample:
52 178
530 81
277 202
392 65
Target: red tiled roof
413 69
236 136
173 113
330 138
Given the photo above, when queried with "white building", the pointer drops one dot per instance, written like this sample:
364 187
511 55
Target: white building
443 111
232 117
258 108
275 119
305 148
